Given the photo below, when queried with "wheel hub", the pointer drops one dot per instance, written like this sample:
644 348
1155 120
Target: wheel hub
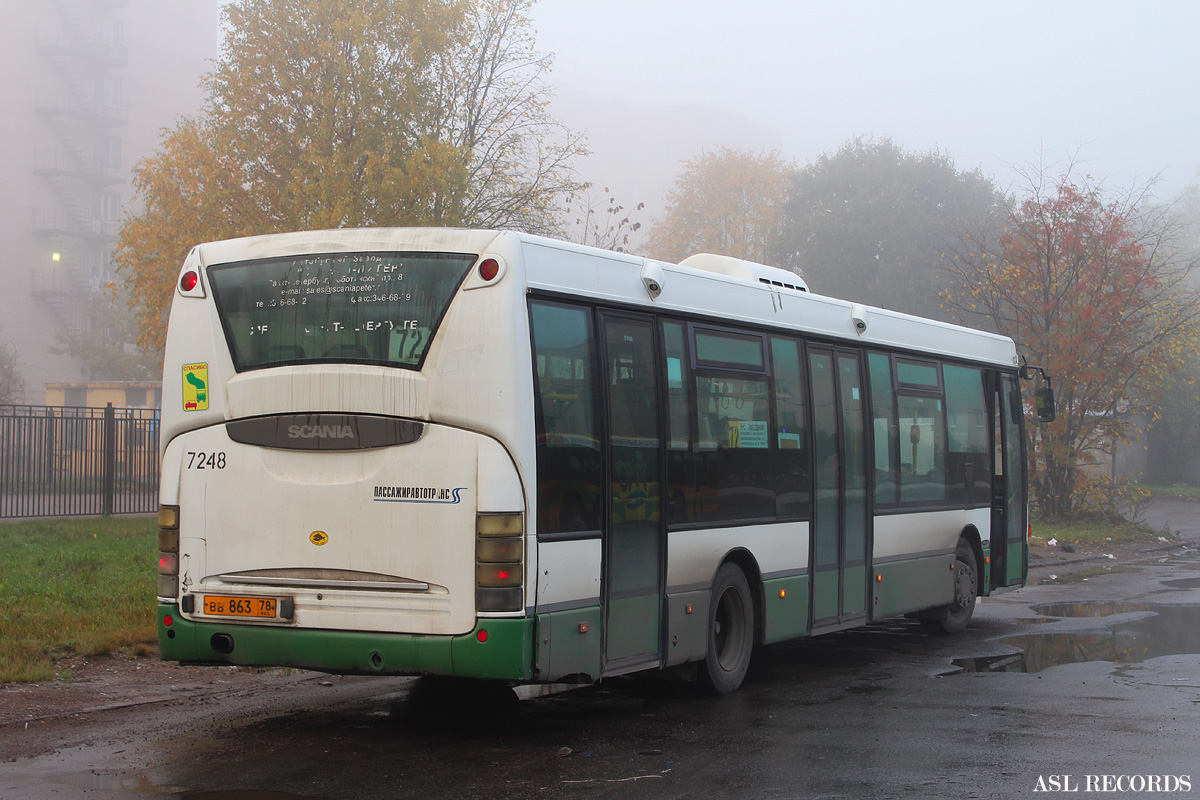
964 585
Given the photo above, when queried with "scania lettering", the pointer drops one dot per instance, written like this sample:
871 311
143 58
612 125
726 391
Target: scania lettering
320 432
544 462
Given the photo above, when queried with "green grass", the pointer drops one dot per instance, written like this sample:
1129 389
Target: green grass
1090 531
1177 491
74 587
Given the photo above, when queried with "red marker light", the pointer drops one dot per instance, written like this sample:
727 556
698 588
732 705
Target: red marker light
167 620
489 269
481 636
189 280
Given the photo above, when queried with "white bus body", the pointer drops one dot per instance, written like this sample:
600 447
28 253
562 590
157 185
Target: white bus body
387 451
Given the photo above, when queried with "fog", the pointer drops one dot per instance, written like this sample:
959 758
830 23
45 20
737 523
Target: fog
992 85
652 83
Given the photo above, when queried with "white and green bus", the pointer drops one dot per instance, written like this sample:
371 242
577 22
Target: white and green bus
493 455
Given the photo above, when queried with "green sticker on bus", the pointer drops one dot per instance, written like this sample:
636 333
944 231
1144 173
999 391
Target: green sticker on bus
195 387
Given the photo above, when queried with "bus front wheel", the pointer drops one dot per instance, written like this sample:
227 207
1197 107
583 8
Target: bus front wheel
958 613
730 631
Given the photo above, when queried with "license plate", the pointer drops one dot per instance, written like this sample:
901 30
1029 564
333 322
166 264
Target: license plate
223 605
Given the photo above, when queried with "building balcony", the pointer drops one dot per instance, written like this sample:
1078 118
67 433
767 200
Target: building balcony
55 222
63 104
60 46
60 280
50 163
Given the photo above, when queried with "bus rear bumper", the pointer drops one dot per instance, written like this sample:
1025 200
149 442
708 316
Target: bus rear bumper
500 649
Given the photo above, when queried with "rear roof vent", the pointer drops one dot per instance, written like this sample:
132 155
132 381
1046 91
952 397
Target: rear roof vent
746 271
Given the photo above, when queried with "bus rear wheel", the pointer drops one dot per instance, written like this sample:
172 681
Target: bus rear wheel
730 631
958 613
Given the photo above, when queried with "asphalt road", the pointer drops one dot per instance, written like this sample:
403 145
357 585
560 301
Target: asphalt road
1095 676
1179 517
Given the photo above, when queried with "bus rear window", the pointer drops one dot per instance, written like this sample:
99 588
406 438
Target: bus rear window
368 308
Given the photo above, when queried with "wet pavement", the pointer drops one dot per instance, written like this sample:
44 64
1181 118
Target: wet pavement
1125 633
1180 518
1057 682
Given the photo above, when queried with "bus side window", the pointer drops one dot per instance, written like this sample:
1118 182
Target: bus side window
922 449
569 461
681 498
886 432
791 430
966 413
736 476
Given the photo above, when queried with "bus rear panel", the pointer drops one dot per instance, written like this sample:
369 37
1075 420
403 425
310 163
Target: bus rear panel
315 512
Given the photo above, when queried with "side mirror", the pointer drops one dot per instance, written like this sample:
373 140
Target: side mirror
1043 398
1043 404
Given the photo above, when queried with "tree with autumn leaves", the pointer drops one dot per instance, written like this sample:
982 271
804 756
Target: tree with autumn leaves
1173 436
1093 287
328 114
724 201
867 221
870 221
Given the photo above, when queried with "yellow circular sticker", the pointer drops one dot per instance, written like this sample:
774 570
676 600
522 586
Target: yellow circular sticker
318 538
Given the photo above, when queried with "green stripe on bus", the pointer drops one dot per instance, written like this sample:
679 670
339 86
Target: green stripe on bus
1015 561
633 624
507 654
986 567
785 608
913 585
826 586
569 643
854 590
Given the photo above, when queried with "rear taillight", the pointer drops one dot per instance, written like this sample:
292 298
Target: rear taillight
168 551
489 272
190 282
499 561
489 269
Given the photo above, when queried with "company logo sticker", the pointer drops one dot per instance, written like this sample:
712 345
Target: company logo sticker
318 538
195 387
419 494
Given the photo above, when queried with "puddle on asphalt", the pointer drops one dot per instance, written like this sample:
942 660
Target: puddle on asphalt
1156 630
1092 608
1013 662
243 794
1184 583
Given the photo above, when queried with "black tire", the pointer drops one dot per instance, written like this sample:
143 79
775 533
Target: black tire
966 582
730 631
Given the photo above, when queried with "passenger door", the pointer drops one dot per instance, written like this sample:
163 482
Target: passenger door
1010 503
633 537
840 553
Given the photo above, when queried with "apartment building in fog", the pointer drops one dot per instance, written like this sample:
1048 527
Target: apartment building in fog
86 88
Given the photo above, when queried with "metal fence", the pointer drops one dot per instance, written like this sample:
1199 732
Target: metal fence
61 461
